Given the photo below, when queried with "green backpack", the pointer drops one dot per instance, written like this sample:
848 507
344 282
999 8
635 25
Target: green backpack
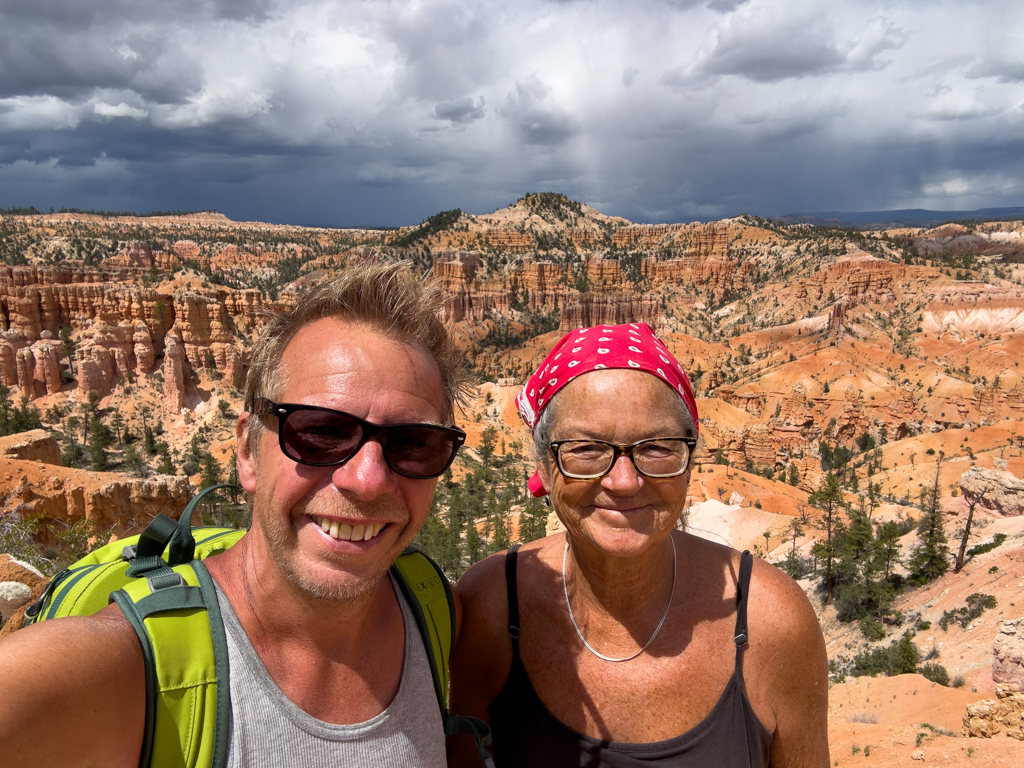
173 607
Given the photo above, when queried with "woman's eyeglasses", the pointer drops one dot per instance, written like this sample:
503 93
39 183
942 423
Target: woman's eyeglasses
324 437
656 458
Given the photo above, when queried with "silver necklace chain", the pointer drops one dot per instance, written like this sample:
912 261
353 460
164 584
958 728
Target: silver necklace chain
661 623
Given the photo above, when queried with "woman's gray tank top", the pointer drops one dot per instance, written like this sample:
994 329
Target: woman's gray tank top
267 729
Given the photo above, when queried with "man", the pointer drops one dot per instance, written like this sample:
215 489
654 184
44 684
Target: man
327 667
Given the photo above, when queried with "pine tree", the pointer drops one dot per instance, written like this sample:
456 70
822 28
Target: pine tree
488 439
210 471
134 462
233 472
829 498
930 558
794 475
887 548
967 533
854 573
474 544
166 466
5 410
99 439
118 424
71 454
451 550
533 520
904 656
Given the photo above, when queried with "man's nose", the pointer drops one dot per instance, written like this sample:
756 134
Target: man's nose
366 475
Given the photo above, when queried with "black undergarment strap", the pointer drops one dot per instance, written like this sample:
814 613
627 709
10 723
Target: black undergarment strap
513 598
742 588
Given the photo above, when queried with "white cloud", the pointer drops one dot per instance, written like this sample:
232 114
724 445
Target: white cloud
121 110
38 113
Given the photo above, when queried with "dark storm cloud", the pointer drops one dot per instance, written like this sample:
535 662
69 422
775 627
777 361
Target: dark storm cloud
385 112
1007 69
765 47
460 110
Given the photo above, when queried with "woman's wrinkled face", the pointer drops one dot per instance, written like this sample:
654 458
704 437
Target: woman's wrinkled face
622 514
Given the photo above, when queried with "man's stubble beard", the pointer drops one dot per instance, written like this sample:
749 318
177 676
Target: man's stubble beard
283 546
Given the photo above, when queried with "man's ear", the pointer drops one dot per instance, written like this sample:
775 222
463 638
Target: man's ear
245 460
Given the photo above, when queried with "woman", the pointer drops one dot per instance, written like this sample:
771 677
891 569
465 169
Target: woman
624 642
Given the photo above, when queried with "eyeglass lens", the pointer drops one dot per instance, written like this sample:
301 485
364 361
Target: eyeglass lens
655 458
331 437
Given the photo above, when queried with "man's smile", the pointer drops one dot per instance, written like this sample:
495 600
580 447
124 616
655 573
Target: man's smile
343 531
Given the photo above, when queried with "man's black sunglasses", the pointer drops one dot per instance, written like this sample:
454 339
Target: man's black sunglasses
324 437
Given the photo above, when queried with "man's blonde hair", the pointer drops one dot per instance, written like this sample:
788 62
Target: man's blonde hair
389 298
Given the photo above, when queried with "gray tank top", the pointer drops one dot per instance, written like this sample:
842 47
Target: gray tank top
267 729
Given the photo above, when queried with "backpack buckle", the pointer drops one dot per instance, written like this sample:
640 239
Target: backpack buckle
165 581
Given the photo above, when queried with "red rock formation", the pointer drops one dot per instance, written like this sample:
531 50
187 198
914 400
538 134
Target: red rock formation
36 445
47 364
852 421
176 369
1008 653
994 490
36 369
791 437
26 374
610 309
643 237
837 317
10 343
115 503
145 354
106 354
466 296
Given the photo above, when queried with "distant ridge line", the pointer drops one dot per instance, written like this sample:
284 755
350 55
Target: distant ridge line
906 217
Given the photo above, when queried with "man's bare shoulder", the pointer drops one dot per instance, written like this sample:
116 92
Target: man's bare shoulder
72 693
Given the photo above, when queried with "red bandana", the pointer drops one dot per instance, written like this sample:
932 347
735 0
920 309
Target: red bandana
633 345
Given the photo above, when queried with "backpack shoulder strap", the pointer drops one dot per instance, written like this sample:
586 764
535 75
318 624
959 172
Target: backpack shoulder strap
177 618
429 594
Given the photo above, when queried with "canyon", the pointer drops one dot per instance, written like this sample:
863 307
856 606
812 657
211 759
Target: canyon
896 351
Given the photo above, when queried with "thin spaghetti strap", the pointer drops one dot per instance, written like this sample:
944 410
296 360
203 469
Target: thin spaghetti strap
742 590
511 558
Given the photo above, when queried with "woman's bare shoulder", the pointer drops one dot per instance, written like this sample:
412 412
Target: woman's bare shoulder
485 582
779 605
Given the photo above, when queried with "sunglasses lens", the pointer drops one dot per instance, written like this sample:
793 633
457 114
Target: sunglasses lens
321 437
419 451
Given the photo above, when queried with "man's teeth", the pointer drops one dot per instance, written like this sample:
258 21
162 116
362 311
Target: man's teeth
348 532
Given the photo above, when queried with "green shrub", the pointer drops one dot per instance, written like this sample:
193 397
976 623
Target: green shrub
872 628
935 672
899 658
977 603
988 546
